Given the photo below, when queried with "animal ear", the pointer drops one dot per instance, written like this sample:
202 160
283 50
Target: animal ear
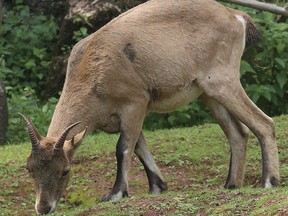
71 145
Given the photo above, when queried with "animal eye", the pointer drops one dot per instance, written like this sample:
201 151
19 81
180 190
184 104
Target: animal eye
65 173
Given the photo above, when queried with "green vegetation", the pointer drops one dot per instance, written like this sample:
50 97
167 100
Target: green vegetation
26 49
264 68
194 161
38 111
27 46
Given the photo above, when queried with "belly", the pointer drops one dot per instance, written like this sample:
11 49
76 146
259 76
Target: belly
168 102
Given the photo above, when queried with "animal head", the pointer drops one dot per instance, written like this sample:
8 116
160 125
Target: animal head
49 165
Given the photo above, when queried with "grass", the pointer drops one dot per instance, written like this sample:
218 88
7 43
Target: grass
194 162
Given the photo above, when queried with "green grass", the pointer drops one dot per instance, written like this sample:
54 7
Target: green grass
194 161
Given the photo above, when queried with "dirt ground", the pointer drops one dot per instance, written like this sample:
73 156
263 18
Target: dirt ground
94 177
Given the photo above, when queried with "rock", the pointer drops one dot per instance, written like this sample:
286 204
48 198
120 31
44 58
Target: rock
97 13
56 8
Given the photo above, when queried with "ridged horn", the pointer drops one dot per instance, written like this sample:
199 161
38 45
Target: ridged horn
33 133
59 144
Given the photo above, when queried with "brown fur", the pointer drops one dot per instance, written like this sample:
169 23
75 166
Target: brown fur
158 57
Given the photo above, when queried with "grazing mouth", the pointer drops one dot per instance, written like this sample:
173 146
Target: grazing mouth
51 208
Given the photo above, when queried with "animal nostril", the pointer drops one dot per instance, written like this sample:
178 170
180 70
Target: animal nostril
43 211
48 210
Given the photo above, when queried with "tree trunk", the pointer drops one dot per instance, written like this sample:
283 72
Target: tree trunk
261 6
1 11
3 101
3 114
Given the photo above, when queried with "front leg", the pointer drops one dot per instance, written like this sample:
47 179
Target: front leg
123 155
156 182
131 125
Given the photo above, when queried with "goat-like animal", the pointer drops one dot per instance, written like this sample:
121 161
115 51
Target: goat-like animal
156 57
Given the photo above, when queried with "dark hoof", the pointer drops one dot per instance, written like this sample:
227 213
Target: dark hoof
159 188
114 196
230 187
272 182
275 181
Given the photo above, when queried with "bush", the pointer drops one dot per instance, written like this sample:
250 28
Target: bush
264 71
26 102
26 48
192 114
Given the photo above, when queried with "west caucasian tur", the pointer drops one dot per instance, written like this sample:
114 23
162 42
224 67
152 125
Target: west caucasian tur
156 57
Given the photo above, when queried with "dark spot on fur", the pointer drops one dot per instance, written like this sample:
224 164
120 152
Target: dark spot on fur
154 94
130 52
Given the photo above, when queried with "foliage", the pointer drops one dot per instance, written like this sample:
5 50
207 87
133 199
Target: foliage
81 32
187 116
27 103
26 48
26 51
264 71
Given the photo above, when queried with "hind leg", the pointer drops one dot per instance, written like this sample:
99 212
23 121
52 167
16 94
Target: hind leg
226 89
237 135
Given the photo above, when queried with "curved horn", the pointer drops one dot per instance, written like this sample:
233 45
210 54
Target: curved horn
33 133
59 144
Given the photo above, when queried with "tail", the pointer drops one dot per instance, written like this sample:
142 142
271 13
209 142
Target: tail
252 33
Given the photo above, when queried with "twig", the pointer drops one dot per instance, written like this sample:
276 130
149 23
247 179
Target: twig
261 6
